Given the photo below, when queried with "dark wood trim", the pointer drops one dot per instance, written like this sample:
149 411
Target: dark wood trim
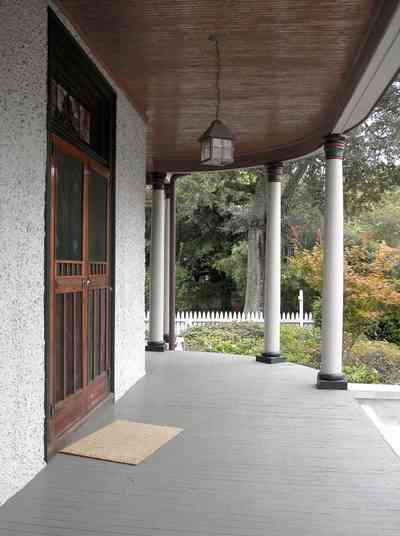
71 67
75 342
73 406
111 275
61 441
157 180
77 153
66 135
85 295
49 295
274 171
72 278
172 262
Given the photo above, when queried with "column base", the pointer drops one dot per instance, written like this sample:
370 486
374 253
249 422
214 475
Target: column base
166 340
331 381
156 346
270 358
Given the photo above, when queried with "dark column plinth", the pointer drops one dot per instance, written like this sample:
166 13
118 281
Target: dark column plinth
331 381
270 358
156 346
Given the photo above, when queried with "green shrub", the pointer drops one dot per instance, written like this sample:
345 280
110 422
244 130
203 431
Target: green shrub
301 345
368 362
233 338
383 358
360 373
387 329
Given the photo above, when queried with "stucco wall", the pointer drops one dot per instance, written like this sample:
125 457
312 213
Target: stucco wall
129 235
23 72
23 102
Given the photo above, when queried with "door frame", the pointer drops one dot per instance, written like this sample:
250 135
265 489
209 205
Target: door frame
105 155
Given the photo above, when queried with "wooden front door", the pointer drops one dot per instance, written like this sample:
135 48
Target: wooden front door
78 368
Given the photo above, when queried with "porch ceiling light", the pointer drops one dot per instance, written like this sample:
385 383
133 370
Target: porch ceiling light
217 141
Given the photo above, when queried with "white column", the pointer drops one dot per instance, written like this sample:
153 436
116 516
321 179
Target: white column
272 286
330 375
156 328
172 262
166 262
301 308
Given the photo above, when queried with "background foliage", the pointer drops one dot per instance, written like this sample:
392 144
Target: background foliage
368 361
221 222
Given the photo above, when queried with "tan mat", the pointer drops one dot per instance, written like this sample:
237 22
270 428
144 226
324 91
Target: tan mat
123 442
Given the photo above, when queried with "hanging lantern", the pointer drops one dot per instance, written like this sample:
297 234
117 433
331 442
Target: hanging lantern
217 141
216 145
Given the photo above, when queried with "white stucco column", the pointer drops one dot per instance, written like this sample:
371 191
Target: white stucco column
167 261
330 375
156 327
272 285
172 262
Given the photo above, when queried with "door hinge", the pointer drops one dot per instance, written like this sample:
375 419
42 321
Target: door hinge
51 410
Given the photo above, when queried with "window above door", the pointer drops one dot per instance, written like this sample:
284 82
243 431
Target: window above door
81 103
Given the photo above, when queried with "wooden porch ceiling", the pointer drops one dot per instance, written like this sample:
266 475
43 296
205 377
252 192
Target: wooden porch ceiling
288 68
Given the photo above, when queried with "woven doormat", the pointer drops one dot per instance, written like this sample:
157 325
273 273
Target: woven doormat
123 442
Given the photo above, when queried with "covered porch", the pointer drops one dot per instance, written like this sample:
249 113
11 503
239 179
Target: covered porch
262 452
124 90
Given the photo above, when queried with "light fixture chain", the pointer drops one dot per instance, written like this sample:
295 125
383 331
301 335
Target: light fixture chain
218 78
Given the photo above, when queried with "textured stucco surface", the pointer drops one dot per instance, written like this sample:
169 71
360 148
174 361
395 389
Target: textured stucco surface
23 101
23 72
129 235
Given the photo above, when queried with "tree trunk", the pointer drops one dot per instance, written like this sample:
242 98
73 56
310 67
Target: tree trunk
254 300
295 172
255 269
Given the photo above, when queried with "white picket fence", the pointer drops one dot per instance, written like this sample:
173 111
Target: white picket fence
187 319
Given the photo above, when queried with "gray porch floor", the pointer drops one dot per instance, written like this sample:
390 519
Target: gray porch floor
262 453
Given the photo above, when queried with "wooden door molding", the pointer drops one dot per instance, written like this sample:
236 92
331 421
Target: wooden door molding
81 123
80 294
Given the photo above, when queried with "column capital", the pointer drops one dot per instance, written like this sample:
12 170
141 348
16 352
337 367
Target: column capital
168 190
177 176
157 180
334 146
274 170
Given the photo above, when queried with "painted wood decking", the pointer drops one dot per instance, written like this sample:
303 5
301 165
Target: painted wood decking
262 453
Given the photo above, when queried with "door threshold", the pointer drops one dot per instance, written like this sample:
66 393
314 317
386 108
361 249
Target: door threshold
60 442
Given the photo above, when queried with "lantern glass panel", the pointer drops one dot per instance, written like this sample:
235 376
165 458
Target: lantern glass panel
227 151
206 150
216 151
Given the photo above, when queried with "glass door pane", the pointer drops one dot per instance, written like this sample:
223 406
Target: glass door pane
69 208
97 207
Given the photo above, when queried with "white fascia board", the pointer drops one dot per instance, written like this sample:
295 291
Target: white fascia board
381 70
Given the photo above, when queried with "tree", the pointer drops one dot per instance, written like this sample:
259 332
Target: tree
371 286
381 223
211 222
219 212
256 222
